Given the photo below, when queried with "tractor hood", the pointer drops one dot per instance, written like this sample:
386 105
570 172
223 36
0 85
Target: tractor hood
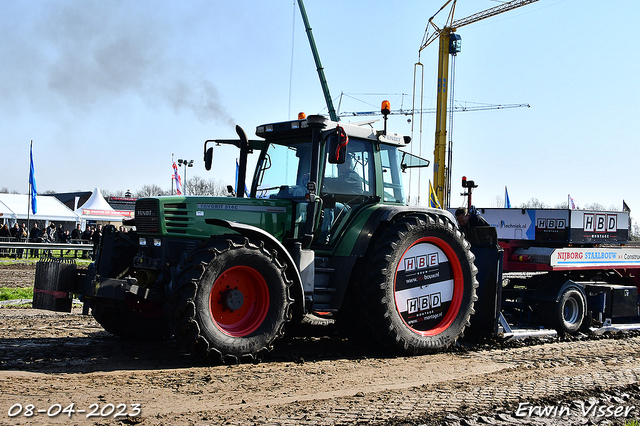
191 217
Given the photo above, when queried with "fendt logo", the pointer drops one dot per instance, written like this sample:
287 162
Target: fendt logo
424 303
600 223
421 262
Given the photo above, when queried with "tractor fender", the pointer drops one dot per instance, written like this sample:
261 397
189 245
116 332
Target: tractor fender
385 214
552 292
291 270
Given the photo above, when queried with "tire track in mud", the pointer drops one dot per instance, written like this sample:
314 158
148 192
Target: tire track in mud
500 391
50 358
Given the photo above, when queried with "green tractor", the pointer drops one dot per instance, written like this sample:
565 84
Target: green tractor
321 233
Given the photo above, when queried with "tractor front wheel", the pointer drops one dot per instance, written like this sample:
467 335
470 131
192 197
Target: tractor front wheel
231 300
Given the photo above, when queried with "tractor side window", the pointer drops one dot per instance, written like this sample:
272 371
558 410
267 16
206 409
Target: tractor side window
284 172
391 177
355 176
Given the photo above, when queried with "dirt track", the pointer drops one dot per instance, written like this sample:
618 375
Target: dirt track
50 358
17 275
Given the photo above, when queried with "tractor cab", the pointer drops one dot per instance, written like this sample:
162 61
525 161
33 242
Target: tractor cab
327 170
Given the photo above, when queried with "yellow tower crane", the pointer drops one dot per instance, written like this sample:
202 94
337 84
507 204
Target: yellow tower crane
450 44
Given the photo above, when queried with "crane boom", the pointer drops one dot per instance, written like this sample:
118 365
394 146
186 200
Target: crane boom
490 12
457 108
452 25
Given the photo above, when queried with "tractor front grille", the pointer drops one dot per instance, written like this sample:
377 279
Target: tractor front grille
175 217
146 216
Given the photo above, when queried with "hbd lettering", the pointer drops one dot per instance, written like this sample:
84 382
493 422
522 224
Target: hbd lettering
424 303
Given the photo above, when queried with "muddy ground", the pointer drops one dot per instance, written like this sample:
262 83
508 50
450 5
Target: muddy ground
17 274
49 361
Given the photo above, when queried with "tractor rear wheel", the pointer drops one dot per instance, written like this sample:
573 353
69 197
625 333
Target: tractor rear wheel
419 285
230 300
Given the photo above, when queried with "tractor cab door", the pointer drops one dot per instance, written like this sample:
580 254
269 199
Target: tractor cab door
344 186
284 172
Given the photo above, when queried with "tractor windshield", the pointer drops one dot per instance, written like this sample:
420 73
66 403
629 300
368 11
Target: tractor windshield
283 171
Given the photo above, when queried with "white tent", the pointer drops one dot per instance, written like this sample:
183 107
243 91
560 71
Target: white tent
96 208
17 207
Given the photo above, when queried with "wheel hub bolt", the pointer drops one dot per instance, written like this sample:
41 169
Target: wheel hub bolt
232 299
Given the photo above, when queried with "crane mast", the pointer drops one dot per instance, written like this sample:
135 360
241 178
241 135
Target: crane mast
440 150
449 44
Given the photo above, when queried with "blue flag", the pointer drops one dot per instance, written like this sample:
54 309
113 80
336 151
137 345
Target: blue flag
32 183
507 203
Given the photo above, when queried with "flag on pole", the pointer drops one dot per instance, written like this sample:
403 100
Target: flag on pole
32 183
176 177
507 202
433 198
572 204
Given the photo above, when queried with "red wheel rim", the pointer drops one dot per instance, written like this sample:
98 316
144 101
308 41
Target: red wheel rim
458 286
239 301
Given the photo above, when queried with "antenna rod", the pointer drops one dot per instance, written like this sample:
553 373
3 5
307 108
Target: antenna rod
316 57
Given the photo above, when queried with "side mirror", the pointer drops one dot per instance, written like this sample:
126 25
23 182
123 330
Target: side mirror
337 142
208 158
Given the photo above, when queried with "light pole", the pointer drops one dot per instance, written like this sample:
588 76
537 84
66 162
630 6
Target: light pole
185 163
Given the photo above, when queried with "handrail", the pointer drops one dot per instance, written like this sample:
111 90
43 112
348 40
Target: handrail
10 249
45 246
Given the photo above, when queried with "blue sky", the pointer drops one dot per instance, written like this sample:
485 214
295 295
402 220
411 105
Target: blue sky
109 90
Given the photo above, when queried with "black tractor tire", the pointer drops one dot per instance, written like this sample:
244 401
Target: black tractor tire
568 313
311 325
230 300
132 318
418 285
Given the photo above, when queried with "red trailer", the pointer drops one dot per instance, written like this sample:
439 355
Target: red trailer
566 269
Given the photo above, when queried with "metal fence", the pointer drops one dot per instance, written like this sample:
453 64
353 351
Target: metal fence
21 248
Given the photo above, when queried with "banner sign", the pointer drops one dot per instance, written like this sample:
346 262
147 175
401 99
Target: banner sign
559 225
94 212
596 257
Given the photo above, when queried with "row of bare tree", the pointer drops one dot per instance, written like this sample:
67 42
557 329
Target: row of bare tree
195 186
